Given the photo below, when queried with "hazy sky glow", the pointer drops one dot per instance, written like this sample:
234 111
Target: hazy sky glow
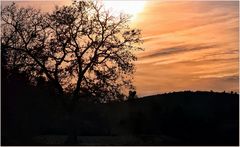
188 45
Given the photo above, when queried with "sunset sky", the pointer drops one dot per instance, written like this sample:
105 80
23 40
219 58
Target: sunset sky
189 45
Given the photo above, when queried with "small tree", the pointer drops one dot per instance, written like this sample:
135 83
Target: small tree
81 48
132 95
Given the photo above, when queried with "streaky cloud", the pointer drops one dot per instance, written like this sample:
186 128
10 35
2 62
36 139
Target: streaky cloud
177 50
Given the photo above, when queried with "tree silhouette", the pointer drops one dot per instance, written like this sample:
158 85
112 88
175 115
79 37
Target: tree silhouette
81 49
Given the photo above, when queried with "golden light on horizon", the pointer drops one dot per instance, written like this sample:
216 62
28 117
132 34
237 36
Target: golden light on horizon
130 7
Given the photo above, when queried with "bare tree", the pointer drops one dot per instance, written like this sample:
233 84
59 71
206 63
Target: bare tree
81 48
24 41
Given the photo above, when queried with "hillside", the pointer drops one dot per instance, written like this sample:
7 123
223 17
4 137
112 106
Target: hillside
194 118
178 118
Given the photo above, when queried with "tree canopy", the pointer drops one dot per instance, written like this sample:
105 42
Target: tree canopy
81 49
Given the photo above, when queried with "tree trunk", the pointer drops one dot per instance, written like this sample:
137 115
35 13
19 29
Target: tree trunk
72 137
72 126
72 131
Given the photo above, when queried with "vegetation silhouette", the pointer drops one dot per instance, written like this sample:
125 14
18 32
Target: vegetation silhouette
81 50
81 42
31 113
132 95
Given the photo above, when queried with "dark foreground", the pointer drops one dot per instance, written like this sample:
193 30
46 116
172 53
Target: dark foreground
180 118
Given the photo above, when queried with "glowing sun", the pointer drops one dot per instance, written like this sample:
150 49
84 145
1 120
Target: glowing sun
131 7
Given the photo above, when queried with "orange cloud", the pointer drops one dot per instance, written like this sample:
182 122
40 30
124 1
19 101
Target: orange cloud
189 46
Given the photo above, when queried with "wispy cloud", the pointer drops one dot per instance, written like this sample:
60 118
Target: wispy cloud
189 45
176 50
